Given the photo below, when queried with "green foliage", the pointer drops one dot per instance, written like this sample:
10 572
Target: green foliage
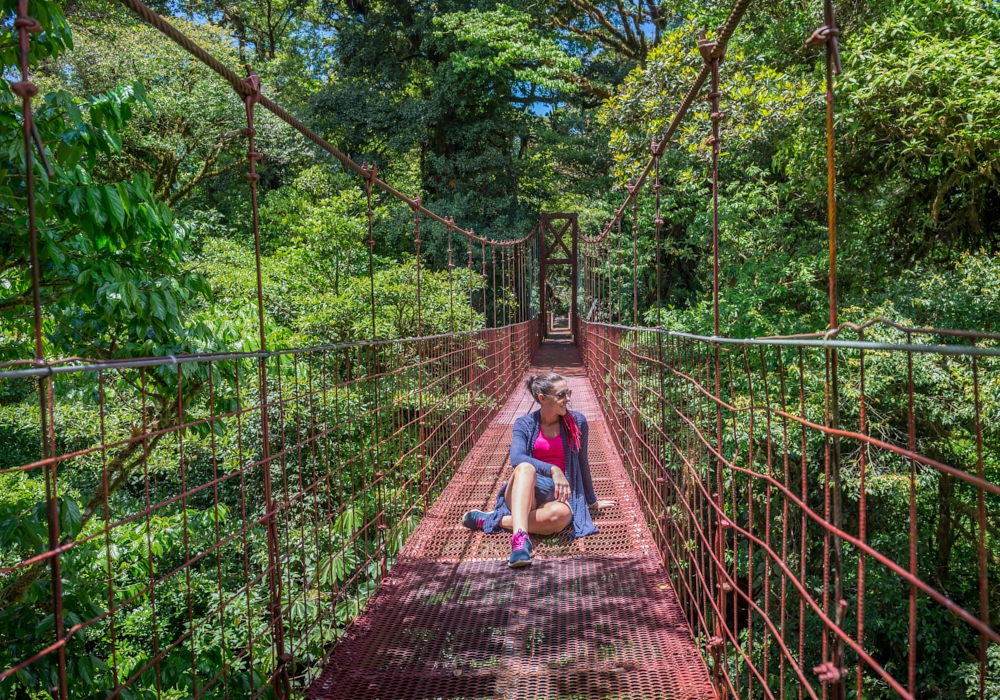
112 255
503 46
491 114
189 142
304 307
458 91
915 124
55 38
277 31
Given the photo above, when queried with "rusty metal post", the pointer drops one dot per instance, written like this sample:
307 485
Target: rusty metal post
370 174
25 25
984 595
827 36
421 458
451 277
634 193
712 55
484 278
657 223
543 245
472 308
713 58
416 243
574 311
283 685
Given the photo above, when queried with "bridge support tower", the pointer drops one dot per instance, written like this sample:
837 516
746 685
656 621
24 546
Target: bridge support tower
555 250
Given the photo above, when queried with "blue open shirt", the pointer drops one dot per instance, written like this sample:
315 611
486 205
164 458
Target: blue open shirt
581 484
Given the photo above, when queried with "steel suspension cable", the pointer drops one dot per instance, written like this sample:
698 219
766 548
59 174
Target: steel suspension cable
242 88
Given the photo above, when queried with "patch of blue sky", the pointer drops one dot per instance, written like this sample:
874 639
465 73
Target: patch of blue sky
537 101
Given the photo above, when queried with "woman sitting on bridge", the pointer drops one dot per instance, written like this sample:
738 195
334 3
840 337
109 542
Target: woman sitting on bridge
551 487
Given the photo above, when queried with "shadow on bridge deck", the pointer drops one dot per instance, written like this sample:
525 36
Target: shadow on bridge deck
595 618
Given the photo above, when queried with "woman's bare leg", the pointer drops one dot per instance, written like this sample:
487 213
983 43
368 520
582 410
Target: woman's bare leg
520 496
547 520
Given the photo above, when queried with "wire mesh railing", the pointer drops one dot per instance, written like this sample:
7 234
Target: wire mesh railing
196 562
813 557
209 526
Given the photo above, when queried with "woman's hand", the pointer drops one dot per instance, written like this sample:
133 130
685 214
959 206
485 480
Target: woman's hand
562 485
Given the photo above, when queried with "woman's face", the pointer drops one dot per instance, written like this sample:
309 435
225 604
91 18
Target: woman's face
556 400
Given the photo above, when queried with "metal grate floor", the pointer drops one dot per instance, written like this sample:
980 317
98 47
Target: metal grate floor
595 618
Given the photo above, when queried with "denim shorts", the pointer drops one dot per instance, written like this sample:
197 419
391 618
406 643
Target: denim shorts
545 490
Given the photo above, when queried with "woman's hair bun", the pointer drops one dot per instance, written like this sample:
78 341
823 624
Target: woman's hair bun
530 383
542 383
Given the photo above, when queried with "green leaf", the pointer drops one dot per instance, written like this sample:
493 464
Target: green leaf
114 203
70 518
142 186
124 197
140 93
78 200
150 214
96 206
349 522
171 304
73 110
57 255
7 529
157 306
130 294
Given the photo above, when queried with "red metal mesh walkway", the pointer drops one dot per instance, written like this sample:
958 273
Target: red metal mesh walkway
595 618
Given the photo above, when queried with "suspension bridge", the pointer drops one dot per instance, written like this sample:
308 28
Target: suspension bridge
318 550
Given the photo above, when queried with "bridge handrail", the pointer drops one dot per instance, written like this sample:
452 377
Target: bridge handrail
82 364
811 341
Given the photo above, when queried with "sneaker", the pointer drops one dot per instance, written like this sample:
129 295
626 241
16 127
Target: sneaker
521 548
474 519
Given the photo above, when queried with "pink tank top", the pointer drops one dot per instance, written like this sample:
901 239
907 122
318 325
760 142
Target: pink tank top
550 450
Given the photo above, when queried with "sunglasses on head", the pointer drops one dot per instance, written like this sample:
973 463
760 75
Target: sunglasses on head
564 394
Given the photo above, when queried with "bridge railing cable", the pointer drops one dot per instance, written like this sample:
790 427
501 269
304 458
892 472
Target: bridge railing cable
809 493
210 525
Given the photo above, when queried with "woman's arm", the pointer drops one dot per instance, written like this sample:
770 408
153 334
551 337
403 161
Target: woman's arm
588 481
520 452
